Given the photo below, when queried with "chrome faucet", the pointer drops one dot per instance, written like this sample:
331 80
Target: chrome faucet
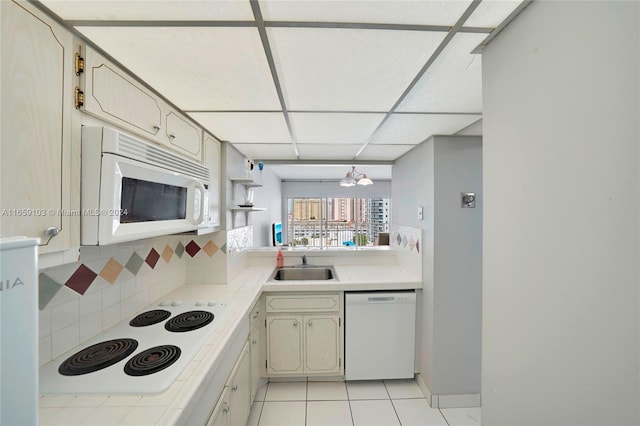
304 260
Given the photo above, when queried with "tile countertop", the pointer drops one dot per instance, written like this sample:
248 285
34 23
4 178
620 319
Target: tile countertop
174 406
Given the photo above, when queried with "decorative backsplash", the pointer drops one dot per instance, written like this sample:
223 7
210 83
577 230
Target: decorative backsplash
84 274
406 238
409 244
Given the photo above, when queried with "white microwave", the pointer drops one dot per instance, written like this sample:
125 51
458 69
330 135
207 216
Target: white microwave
131 189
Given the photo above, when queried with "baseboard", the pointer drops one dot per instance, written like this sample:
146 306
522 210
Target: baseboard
425 389
459 401
447 401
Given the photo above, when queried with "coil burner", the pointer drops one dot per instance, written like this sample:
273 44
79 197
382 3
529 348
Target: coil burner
150 318
188 321
152 360
98 356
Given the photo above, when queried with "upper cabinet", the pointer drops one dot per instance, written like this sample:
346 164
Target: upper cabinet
114 96
37 196
212 160
183 136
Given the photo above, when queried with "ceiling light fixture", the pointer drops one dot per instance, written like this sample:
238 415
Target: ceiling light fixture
354 177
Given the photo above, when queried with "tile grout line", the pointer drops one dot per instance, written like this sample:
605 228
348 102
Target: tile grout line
306 399
392 404
444 417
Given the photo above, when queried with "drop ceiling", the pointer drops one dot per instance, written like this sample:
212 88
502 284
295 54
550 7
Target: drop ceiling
306 80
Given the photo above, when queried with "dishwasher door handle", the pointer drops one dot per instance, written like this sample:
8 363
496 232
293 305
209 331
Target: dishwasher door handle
381 299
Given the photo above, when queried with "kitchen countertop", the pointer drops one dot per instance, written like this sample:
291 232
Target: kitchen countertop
174 406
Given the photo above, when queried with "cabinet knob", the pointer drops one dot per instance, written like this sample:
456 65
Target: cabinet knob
295 323
310 323
50 232
225 409
254 342
172 136
234 388
256 314
156 128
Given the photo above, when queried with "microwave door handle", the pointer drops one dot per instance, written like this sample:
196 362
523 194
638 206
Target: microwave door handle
202 206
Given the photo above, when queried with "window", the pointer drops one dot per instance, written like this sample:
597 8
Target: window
336 222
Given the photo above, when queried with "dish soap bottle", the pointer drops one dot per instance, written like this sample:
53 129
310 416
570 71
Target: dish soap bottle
279 260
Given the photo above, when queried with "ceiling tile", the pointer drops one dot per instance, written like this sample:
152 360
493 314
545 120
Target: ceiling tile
245 127
147 10
491 13
383 152
263 151
195 68
419 12
334 127
408 129
453 83
346 69
327 152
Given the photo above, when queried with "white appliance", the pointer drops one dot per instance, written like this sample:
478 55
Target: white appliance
379 335
145 358
18 331
132 189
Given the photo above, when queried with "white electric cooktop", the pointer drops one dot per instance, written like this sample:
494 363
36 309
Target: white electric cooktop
138 358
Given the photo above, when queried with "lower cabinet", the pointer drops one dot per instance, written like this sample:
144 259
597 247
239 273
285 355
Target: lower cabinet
233 407
256 348
300 342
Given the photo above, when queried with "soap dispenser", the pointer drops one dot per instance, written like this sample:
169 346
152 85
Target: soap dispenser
279 260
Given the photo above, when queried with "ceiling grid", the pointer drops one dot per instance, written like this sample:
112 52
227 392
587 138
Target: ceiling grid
306 81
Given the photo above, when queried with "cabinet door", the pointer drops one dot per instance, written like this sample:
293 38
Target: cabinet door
115 97
212 160
183 136
37 79
220 414
257 359
239 397
284 344
322 344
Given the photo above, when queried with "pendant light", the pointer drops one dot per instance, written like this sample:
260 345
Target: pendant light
353 177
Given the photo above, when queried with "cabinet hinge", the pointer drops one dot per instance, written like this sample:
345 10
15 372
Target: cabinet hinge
79 64
339 322
265 323
339 362
79 98
265 363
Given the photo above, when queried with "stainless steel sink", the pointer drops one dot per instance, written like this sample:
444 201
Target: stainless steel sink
304 273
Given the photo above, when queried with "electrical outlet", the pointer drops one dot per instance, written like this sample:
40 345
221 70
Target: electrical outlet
420 214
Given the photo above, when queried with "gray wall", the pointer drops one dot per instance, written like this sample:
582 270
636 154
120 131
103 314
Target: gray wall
561 231
450 309
270 197
267 196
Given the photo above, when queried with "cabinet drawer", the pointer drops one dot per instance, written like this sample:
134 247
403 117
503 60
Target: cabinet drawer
303 303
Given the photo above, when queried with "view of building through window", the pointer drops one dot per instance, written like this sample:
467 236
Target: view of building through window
337 222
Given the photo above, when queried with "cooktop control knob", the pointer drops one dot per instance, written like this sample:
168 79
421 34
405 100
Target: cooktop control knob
212 303
165 303
176 303
201 302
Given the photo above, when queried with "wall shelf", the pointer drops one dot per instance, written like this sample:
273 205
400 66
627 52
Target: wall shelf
248 182
248 209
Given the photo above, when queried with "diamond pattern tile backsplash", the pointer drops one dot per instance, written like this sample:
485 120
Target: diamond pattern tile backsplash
111 283
405 238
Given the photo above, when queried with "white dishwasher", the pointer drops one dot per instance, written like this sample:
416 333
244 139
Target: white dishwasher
379 335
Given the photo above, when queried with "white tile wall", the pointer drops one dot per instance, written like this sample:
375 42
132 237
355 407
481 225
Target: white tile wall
70 318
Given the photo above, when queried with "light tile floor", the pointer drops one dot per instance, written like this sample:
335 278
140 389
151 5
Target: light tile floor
366 403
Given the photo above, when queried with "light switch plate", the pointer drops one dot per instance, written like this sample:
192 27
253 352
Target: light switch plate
468 200
420 213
